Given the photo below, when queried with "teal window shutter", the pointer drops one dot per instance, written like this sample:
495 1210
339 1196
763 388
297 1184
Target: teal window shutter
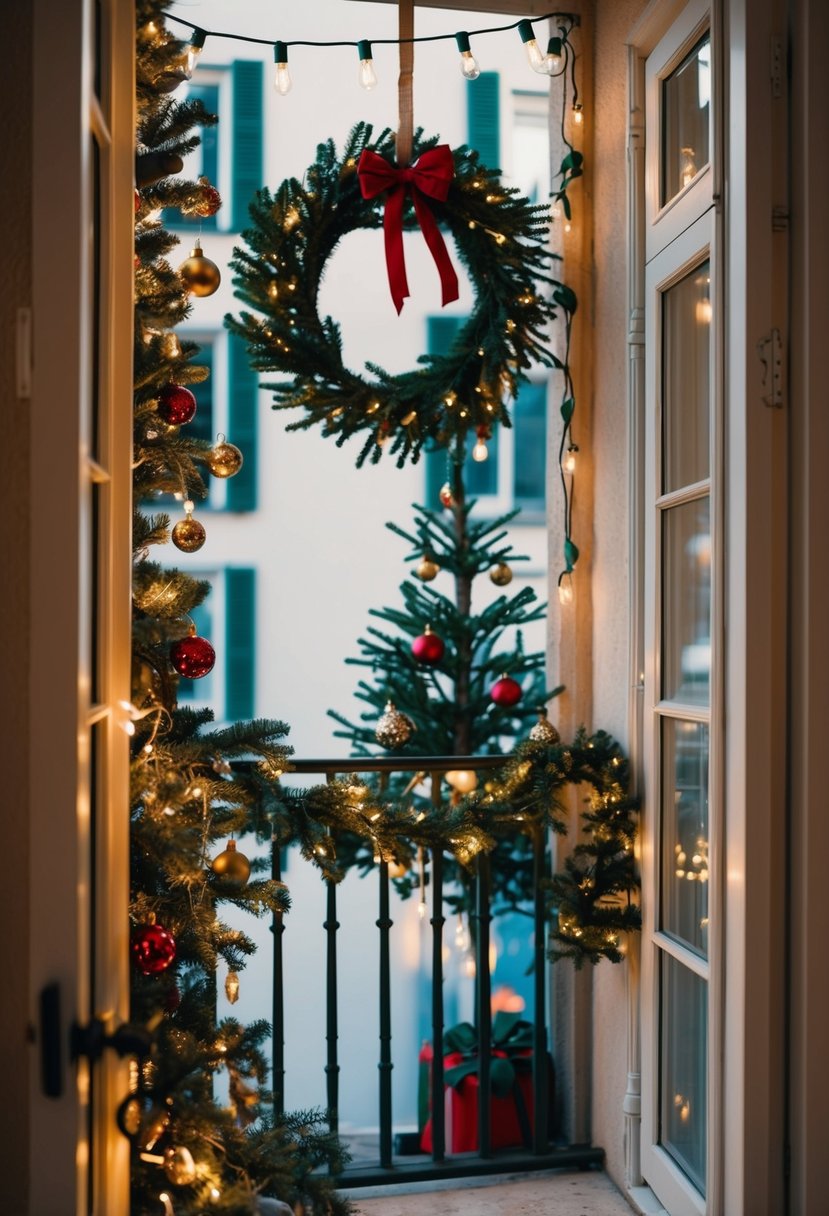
240 640
247 137
202 425
483 118
530 464
480 478
243 395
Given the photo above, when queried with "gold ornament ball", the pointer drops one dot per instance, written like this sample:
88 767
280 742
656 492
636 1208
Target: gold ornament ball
224 460
179 1165
201 276
189 535
427 570
463 780
501 574
544 731
393 729
232 866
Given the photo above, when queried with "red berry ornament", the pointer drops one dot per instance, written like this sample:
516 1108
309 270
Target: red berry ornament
192 657
506 692
428 648
153 948
176 404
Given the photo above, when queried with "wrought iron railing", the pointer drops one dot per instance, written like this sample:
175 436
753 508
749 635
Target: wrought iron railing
545 1150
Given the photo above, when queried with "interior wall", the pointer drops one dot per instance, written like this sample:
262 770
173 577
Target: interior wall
610 586
15 156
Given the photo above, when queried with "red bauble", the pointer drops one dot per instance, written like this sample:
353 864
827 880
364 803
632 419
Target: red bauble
176 404
506 692
447 498
192 657
153 949
209 202
428 648
137 203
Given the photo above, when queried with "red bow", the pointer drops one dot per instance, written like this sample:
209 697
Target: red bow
432 176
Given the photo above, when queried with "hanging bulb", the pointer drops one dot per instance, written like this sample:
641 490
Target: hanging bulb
480 451
367 76
565 588
194 50
534 55
569 462
470 68
552 60
578 113
282 79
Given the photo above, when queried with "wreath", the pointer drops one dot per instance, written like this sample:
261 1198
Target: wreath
500 238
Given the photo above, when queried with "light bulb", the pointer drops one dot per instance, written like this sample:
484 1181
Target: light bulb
569 462
552 60
480 451
194 50
578 113
565 589
470 68
534 56
282 79
367 75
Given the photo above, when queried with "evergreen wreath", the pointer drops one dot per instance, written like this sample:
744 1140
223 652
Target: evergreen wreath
500 238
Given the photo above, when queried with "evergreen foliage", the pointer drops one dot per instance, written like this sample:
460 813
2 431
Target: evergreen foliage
187 797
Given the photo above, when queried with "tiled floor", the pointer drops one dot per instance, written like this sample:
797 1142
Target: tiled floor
557 1193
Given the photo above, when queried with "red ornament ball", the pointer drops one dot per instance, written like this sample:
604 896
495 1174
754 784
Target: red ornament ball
153 948
176 404
428 648
192 657
506 692
209 201
447 498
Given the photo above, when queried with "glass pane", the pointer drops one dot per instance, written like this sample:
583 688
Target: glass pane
686 602
683 1052
686 104
685 832
686 379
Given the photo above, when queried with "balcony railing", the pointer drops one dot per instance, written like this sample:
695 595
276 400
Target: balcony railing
543 1151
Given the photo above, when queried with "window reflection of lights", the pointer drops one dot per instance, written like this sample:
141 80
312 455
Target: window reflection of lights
704 75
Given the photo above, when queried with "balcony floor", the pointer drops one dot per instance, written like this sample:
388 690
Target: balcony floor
581 1193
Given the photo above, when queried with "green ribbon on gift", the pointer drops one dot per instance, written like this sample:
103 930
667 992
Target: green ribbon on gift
510 1034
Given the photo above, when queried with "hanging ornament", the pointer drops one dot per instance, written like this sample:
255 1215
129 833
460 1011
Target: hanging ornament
188 534
231 866
232 984
179 1165
506 692
427 569
137 203
201 277
176 404
142 1119
208 202
394 728
192 657
429 648
153 948
543 731
463 780
447 498
225 460
501 574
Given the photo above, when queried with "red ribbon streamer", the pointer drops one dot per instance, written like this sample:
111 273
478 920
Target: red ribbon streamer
431 176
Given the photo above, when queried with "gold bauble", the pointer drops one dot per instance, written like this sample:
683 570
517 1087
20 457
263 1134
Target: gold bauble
427 570
544 731
224 460
393 729
179 1165
201 276
232 866
189 535
501 574
463 780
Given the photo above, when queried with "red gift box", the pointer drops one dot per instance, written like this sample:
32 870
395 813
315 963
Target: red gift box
461 1109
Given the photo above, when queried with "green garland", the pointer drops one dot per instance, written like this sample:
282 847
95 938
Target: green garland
501 239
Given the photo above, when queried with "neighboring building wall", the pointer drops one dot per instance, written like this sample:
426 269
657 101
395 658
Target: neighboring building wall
611 570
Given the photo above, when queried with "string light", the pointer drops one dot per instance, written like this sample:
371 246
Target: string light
553 57
282 78
480 451
470 68
367 75
194 50
535 57
565 588
569 462
578 113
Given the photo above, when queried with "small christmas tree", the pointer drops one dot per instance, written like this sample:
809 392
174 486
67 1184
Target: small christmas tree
189 803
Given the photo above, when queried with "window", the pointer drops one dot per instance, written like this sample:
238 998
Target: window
230 153
682 722
514 473
227 618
